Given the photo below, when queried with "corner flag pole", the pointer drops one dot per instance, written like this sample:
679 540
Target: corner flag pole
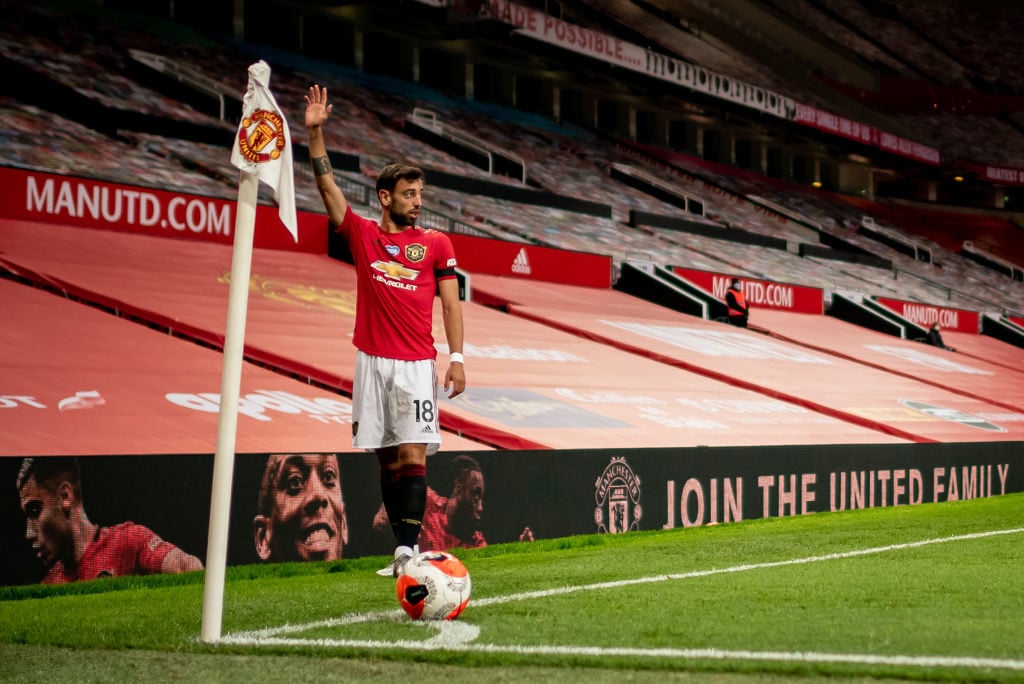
262 152
227 423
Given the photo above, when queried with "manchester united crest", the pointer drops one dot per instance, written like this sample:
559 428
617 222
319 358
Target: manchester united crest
261 136
617 495
415 252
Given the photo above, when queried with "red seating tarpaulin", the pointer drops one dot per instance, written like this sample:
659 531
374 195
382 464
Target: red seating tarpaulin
79 381
987 348
836 386
530 385
568 391
958 373
300 308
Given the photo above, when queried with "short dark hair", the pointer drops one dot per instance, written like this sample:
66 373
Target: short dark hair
463 464
268 483
392 173
50 472
270 473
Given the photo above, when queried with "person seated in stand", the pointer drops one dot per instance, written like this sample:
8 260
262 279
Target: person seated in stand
736 300
934 337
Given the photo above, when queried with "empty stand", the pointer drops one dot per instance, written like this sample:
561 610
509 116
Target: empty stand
80 381
530 385
369 121
985 348
971 377
828 383
122 127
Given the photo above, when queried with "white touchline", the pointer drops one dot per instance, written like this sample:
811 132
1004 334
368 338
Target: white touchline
459 635
737 568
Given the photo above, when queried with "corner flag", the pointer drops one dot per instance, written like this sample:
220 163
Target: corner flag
262 151
263 145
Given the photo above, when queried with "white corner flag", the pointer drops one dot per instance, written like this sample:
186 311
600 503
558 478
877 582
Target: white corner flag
262 151
263 145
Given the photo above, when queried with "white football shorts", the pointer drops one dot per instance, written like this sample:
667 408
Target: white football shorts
394 402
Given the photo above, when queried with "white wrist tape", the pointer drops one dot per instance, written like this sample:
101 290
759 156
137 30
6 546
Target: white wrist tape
456 357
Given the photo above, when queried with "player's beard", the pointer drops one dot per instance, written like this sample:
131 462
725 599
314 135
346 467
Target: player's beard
463 524
404 220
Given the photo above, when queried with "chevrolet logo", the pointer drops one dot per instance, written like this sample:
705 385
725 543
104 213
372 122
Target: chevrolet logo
393 269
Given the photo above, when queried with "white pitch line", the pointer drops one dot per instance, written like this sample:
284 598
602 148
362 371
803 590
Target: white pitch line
261 635
442 644
456 636
543 593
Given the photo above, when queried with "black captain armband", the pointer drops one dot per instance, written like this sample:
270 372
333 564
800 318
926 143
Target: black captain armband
321 166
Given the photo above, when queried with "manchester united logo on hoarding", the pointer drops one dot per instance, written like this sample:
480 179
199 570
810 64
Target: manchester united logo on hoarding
617 494
262 130
301 294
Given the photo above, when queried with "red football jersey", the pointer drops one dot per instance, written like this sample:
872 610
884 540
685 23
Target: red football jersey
397 276
434 534
125 549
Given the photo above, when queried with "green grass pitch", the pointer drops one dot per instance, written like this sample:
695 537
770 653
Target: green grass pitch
932 592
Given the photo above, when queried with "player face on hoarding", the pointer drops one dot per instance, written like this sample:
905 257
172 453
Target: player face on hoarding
47 519
302 512
468 495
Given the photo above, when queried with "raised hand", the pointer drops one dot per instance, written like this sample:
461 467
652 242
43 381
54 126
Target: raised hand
317 109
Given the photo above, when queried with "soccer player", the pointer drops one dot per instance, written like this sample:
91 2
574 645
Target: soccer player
399 266
451 521
71 547
301 512
454 521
